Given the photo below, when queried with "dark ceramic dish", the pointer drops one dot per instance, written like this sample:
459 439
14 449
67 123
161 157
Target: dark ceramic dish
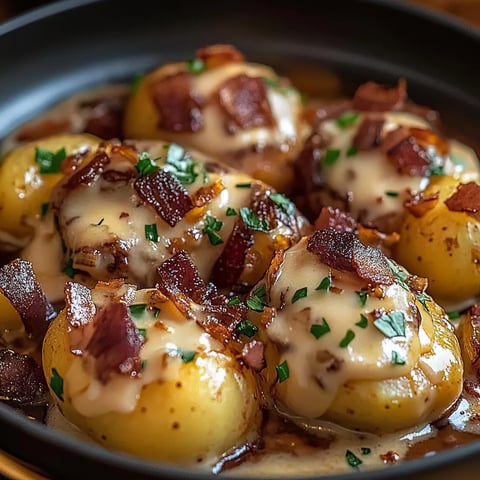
73 45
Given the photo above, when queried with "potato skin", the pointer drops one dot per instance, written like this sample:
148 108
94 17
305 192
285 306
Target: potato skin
443 246
23 189
210 407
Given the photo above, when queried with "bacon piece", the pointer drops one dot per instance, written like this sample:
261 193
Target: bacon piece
43 128
207 193
21 378
105 119
179 111
115 343
218 55
253 354
165 194
426 137
465 199
409 157
19 284
317 112
343 251
335 218
418 204
373 97
369 133
89 172
230 264
244 100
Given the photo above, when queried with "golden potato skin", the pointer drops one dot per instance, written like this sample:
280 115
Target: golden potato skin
176 420
400 401
443 246
23 189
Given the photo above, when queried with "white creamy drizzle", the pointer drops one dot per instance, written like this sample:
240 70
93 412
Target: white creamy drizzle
367 357
167 335
369 194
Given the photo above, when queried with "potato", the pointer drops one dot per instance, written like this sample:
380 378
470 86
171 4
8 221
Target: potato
444 246
187 413
23 189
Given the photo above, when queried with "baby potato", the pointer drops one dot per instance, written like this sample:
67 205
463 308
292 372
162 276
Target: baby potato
23 186
442 242
186 409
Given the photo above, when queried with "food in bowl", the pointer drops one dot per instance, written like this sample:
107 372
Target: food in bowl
226 249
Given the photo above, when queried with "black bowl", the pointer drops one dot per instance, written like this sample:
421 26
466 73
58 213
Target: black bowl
72 45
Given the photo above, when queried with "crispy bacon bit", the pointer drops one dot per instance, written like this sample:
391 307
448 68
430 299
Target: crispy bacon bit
419 204
230 264
115 343
390 457
409 157
253 355
165 194
465 199
373 97
426 137
472 388
417 284
343 251
218 55
179 111
244 100
369 133
207 193
317 112
74 160
334 218
21 378
105 119
89 172
19 284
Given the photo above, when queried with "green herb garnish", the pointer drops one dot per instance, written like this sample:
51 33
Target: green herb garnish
347 119
331 156
283 202
256 301
283 371
319 329
352 151
397 359
146 165
56 384
44 209
391 324
136 82
243 185
69 270
231 212
182 166
211 227
137 309
196 65
366 450
151 232
252 221
363 322
362 296
49 162
349 336
143 332
187 355
391 194
325 284
454 315
352 459
247 328
300 293
234 301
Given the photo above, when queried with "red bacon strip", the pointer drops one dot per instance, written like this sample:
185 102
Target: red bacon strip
465 199
165 194
179 111
21 378
19 284
335 218
244 100
418 204
373 97
89 172
115 343
409 157
343 251
369 133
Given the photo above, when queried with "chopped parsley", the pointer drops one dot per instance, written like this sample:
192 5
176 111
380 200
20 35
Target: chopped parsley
366 450
352 459
352 151
49 162
283 371
253 221
56 384
69 270
349 336
231 212
43 209
186 355
243 185
399 274
196 65
423 298
390 193
436 171
319 329
325 284
391 324
143 332
397 359
300 293
136 82
283 202
347 119
234 301
256 302
182 166
137 309
151 232
331 156
211 227
146 165
362 296
247 328
453 315
143 365
363 322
